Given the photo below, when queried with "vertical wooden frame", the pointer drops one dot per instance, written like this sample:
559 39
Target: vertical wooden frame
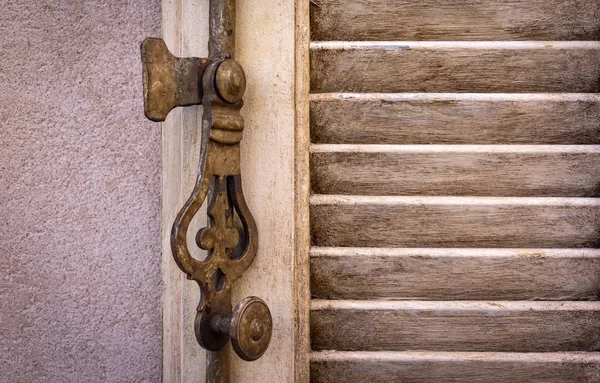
267 37
185 30
302 193
272 46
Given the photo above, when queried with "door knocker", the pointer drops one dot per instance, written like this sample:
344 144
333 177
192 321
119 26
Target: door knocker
231 237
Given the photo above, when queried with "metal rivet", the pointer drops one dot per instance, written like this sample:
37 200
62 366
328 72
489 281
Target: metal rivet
230 81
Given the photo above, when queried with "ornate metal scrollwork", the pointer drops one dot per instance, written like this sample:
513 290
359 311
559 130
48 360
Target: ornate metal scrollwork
231 237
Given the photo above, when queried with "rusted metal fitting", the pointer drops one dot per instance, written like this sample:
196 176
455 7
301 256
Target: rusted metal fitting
249 328
230 81
169 81
231 237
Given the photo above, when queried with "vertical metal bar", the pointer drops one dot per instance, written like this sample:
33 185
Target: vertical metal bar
221 43
217 366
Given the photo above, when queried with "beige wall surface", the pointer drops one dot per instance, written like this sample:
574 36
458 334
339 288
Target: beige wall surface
79 194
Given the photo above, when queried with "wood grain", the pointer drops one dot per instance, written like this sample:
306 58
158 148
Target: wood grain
455 274
431 230
508 326
455 67
301 267
455 20
186 35
360 221
422 118
269 138
426 367
267 104
477 170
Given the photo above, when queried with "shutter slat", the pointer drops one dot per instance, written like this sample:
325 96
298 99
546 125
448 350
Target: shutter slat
454 274
394 67
374 221
507 326
455 20
475 118
477 170
426 367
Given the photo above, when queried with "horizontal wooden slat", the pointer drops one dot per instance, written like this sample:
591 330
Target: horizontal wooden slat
455 67
455 20
511 326
368 221
477 170
431 118
427 367
455 274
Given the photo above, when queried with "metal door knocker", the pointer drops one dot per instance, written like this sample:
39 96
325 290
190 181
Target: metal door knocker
231 238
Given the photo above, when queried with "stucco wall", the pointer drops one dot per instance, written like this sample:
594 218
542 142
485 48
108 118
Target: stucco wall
79 194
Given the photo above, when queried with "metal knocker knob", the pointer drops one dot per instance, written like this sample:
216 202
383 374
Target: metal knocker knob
249 327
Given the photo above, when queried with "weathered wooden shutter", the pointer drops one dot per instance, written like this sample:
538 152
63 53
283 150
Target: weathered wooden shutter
454 169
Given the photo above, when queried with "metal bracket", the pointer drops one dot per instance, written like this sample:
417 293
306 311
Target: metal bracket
231 237
169 81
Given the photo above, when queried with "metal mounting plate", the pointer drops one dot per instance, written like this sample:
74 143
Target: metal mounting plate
169 81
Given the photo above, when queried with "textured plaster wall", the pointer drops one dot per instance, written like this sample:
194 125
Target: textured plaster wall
79 194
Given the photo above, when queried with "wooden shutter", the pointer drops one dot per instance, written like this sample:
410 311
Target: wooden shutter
455 170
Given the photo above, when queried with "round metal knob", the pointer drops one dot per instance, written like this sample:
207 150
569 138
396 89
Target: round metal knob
251 328
230 81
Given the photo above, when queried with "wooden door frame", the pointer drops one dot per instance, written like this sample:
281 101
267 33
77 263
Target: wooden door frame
272 45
